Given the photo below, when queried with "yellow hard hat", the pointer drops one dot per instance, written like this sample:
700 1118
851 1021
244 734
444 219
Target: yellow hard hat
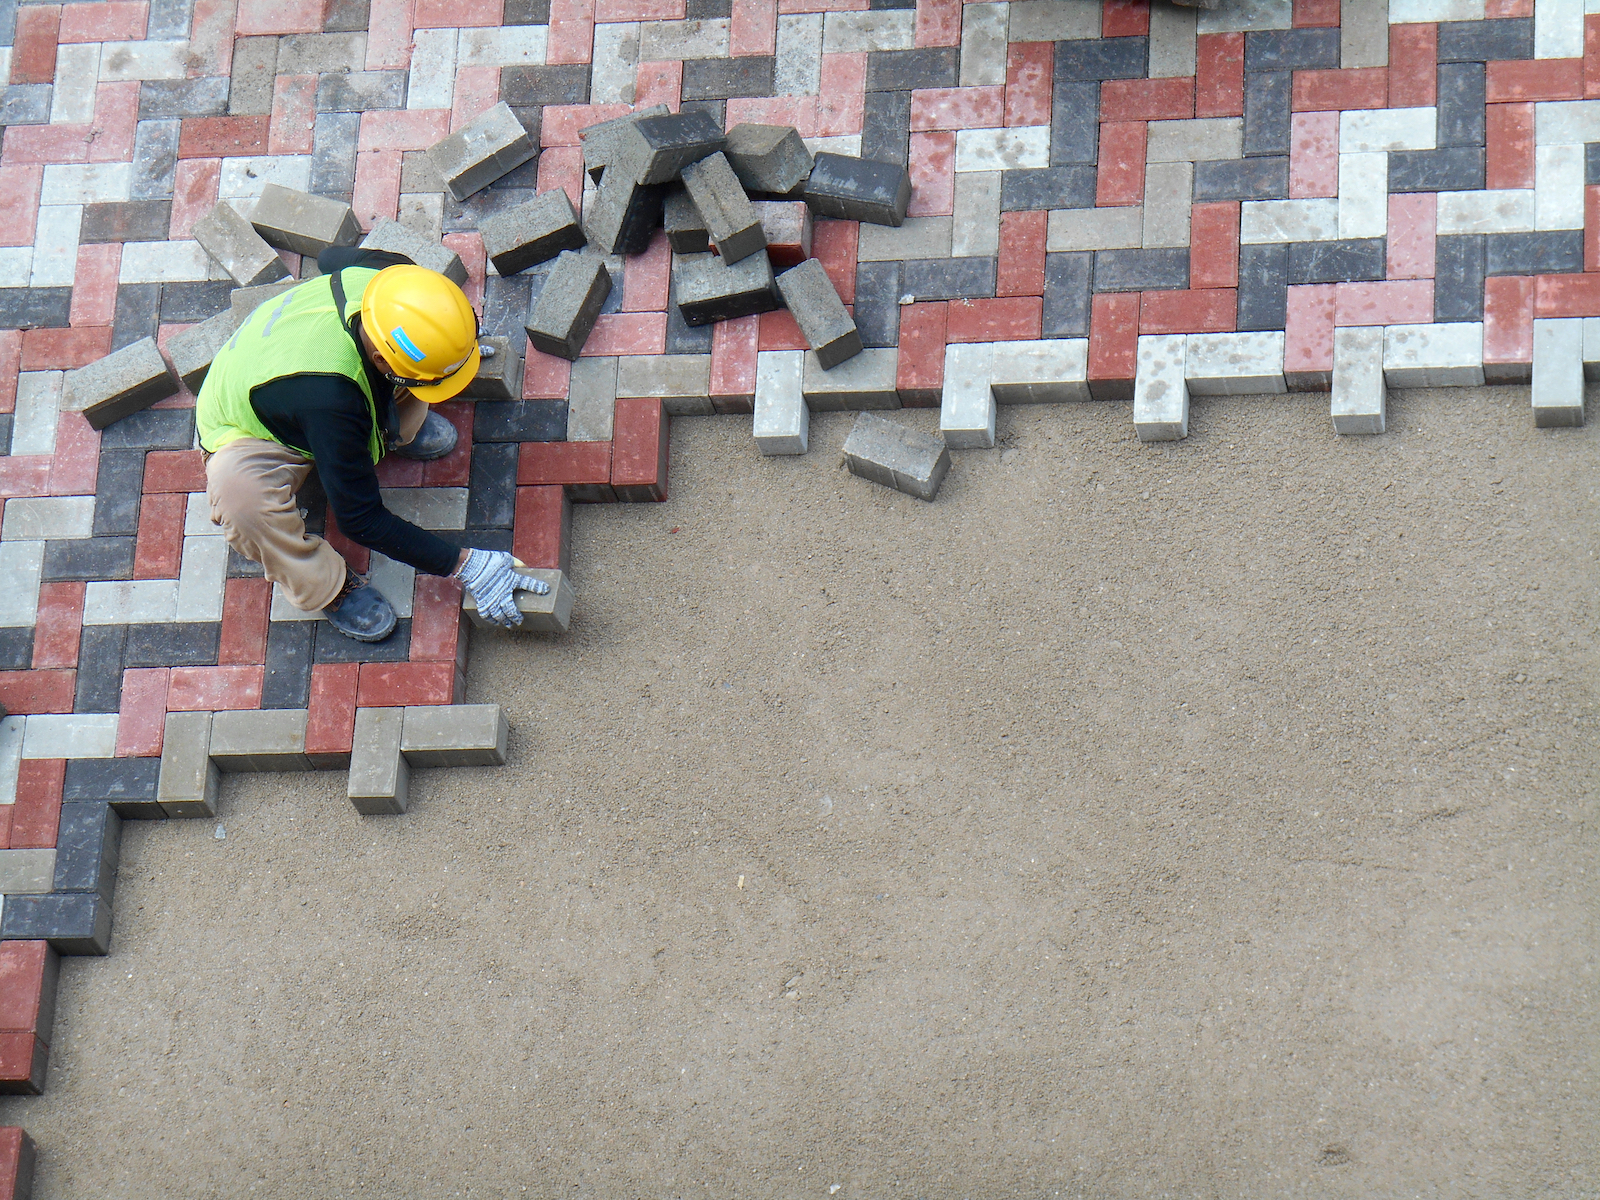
425 327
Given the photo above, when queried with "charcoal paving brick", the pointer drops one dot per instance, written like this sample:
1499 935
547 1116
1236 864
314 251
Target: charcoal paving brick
1033 188
1450 169
333 153
682 337
185 303
858 189
1458 278
26 104
119 782
1345 261
531 12
486 539
504 302
287 681
569 303
360 91
1485 41
240 567
520 421
99 682
699 10
1074 123
717 110
117 492
468 214
1545 253
152 429
947 278
155 160
907 70
1460 104
16 648
536 86
886 127
1591 163
35 308
1291 50
1266 112
5 433
1139 270
1106 58
72 922
1264 178
331 646
492 495
532 232
126 221
623 216
765 158
88 848
203 97
1067 287
877 306
686 231
654 149
725 78
173 644
138 313
89 558
709 289
810 297
1263 286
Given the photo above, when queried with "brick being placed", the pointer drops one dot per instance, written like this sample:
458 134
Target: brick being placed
1160 393
237 248
560 320
1235 364
769 159
1360 399
809 295
380 778
709 289
889 453
866 381
304 223
788 228
454 735
686 230
655 150
474 156
398 238
782 422
192 350
623 216
966 405
1053 371
532 233
731 222
1558 372
1440 355
499 374
550 613
858 189
598 140
189 780
118 385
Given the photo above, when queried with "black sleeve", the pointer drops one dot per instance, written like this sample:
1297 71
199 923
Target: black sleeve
337 258
327 416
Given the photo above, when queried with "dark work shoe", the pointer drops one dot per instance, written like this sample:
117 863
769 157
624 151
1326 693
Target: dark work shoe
435 439
360 611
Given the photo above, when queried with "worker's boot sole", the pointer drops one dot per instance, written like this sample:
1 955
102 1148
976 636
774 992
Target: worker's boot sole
435 439
363 615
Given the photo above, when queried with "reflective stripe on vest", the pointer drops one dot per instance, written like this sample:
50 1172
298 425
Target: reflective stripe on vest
297 333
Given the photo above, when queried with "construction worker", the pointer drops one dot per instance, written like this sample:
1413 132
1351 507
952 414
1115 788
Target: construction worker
336 372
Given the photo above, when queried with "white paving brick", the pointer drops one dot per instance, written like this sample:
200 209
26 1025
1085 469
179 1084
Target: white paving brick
672 41
983 44
243 178
967 408
1446 355
508 46
1359 403
1288 221
16 266
429 508
1094 229
77 73
282 610
1002 149
799 67
70 735
143 60
12 731
1207 139
1558 29
1369 130
433 69
614 78
1244 15
1411 12
86 183
782 421
55 245
848 144
47 518
1172 44
38 412
1234 364
1558 353
1052 21
197 517
164 262
1558 187
202 577
975 221
1566 122
133 601
1363 195
1168 198
1502 210
21 565
859 32
1160 394
1053 371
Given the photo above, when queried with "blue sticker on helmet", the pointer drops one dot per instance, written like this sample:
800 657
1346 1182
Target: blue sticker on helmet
406 344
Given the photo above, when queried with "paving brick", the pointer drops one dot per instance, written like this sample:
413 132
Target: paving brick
1234 364
1160 392
947 278
1267 96
887 452
189 780
1120 178
1074 123
491 146
877 307
1263 277
1558 373
380 778
782 419
788 229
290 652
425 252
192 350
125 382
1441 355
304 223
768 158
583 468
828 328
520 421
1338 261
1485 41
858 189
564 314
532 233
1360 397
639 451
1547 252
731 222
72 922
1066 294
260 741
499 374
710 289
720 79
125 221
866 381
885 126
967 407
624 215
1137 270
1219 75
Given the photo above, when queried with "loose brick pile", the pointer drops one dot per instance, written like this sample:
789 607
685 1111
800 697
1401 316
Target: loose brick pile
1115 201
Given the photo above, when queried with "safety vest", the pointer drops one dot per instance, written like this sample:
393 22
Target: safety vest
296 333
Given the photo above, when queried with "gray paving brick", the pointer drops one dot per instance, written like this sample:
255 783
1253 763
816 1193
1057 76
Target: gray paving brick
768 158
455 735
561 318
1265 178
683 338
809 295
237 247
172 644
402 239
380 779
599 140
168 20
782 422
304 223
254 67
731 222
1263 286
333 154
724 78
189 780
123 382
623 215
99 684
858 189
155 160
710 289
1345 261
343 16
360 91
317 53
947 278
788 228
490 146
1067 279
686 231
549 613
1034 188
192 350
592 399
1139 270
889 453
1485 41
1460 104
1450 169
864 381
653 150
886 127
499 375
126 221
906 70
263 740
195 300
203 97
532 232
1544 253
1458 278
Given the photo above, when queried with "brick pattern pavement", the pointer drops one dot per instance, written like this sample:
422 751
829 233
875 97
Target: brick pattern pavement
1217 194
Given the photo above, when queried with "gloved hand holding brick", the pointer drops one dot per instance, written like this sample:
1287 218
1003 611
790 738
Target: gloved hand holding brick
491 578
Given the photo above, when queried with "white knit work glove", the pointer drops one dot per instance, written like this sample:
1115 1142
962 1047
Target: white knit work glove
489 576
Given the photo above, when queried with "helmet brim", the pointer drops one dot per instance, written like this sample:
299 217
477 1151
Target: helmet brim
453 386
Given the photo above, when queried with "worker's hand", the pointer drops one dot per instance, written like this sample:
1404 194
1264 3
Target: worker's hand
493 582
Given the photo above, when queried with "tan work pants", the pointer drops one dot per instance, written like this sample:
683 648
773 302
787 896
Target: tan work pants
251 485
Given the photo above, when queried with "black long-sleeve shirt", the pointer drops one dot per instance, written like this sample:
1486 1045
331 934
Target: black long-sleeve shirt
327 417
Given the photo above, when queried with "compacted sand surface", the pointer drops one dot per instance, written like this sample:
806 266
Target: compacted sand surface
1206 820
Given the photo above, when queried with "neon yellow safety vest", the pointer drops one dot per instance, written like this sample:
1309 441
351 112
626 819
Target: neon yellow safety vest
296 333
